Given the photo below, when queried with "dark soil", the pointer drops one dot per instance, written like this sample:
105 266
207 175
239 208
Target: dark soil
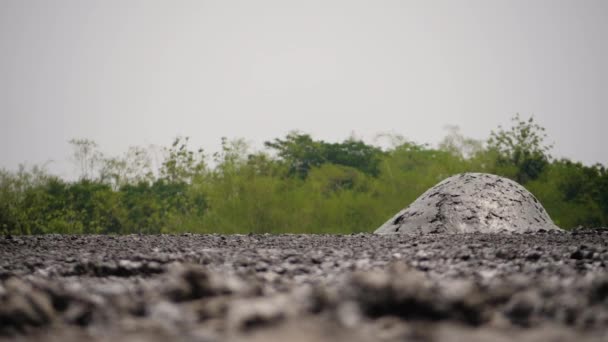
547 286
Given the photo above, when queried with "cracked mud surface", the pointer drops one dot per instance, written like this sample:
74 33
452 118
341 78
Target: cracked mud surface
548 286
469 203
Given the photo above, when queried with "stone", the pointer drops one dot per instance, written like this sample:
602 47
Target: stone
469 203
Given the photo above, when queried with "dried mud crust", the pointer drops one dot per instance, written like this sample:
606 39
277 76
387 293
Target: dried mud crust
471 203
550 286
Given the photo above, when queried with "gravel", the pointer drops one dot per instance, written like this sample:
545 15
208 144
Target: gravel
542 286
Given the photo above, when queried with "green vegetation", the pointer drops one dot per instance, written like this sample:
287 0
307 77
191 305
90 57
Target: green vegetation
297 185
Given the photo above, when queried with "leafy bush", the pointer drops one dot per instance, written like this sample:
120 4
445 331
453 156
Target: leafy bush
298 185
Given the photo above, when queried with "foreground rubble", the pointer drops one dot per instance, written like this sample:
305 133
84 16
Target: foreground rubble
546 286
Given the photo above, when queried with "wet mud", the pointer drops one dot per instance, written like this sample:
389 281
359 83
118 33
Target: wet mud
542 286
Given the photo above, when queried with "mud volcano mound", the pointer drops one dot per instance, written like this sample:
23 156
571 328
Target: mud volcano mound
471 202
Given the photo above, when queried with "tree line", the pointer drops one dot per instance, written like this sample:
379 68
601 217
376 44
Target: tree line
297 184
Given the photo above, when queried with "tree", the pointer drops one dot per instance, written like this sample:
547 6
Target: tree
356 154
232 156
459 145
182 164
134 167
301 153
86 156
522 146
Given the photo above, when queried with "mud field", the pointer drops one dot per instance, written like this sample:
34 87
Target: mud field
548 286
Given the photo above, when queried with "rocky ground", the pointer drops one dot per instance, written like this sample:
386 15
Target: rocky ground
546 286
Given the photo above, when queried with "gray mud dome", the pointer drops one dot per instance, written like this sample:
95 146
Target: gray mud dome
543 286
468 203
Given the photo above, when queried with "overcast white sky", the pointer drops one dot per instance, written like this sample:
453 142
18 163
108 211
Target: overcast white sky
129 73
